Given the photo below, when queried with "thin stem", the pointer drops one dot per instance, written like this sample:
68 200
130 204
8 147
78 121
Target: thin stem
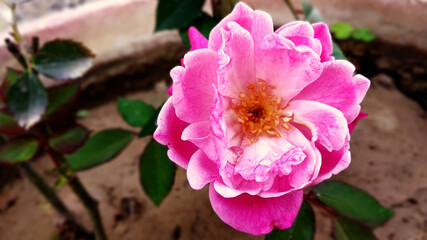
89 203
19 39
292 8
52 197
46 190
91 206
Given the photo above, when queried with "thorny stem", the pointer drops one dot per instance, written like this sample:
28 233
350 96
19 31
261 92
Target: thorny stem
88 202
292 8
91 206
51 196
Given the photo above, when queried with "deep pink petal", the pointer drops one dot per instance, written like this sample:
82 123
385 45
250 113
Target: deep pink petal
286 68
321 32
352 125
197 40
254 214
236 60
201 170
338 88
332 162
192 91
169 132
327 124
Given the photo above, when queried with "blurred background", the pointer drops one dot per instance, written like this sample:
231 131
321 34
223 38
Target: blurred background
389 157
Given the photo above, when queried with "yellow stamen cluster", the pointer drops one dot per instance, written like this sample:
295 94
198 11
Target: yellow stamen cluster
260 112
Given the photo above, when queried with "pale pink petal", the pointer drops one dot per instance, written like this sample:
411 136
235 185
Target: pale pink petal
241 14
258 23
327 124
337 88
236 60
262 25
254 214
201 170
197 40
352 125
321 32
296 28
199 134
169 132
225 190
192 91
286 68
301 34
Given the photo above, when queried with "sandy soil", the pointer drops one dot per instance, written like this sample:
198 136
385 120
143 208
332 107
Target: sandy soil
389 161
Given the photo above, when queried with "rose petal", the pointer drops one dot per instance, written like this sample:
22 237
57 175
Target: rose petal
257 215
199 134
286 68
191 96
169 132
326 123
352 125
337 88
201 170
236 60
321 32
197 40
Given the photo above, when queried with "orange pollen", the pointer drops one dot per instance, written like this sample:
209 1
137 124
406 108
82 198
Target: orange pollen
259 112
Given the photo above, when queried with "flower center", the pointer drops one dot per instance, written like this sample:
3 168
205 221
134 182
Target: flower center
259 112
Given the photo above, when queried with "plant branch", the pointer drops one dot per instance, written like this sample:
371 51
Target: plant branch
91 206
292 8
51 196
88 202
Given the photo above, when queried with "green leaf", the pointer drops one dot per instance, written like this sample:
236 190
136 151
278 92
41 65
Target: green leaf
11 77
172 14
203 23
8 125
63 59
363 34
353 202
70 140
346 229
156 171
337 52
311 13
135 112
60 99
151 124
100 148
342 30
303 227
19 150
27 99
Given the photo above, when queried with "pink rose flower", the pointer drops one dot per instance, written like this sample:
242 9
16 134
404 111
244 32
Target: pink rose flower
259 115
